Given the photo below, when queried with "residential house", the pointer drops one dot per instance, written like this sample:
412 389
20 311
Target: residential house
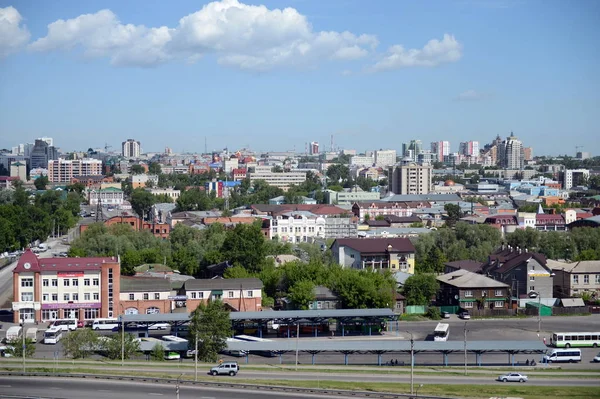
525 272
469 265
472 291
394 254
576 278
324 299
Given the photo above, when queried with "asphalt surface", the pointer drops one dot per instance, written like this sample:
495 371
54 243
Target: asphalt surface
73 388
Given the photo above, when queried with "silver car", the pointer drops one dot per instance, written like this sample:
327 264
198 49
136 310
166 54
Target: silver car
512 377
227 368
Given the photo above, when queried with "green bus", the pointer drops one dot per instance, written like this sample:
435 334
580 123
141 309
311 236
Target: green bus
572 339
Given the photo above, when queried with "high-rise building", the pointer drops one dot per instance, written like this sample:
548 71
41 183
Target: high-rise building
314 148
385 158
575 177
469 148
41 153
441 149
48 140
63 170
131 148
528 153
510 153
410 178
412 150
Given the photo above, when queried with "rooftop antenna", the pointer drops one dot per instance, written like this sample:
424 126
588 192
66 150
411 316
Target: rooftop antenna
332 143
205 146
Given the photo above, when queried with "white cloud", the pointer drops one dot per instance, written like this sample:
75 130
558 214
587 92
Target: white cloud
434 53
241 36
13 35
471 95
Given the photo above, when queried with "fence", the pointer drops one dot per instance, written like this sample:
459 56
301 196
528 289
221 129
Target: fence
492 312
572 310
416 309
449 309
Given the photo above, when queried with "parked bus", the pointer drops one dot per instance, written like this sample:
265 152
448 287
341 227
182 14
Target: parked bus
52 335
249 338
562 355
65 324
105 324
441 332
569 339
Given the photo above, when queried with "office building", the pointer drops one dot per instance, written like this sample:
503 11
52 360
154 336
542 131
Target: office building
282 180
41 153
412 150
362 160
131 148
575 177
511 154
385 158
441 149
410 178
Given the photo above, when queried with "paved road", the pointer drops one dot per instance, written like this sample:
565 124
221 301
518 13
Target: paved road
78 388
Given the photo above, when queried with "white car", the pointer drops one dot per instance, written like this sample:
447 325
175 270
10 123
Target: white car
596 358
159 326
465 315
512 377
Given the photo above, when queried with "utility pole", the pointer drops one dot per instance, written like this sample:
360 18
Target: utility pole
23 334
122 341
196 357
412 365
465 329
297 338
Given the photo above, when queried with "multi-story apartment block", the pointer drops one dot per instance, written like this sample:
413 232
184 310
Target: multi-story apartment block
313 149
410 178
55 288
63 170
441 149
469 148
576 278
19 169
282 180
362 160
385 158
138 181
230 164
297 227
510 153
107 196
575 177
131 148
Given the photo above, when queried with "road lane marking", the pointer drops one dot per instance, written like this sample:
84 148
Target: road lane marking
155 394
103 390
5 386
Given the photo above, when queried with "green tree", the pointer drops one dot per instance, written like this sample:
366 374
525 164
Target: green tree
142 201
76 187
15 347
454 214
420 289
245 245
80 343
137 170
41 182
158 352
210 325
302 294
112 345
154 168
337 173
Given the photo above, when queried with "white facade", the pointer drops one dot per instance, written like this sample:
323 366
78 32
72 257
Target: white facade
107 196
63 170
573 176
441 148
385 158
361 160
169 192
230 164
511 154
281 180
131 148
227 294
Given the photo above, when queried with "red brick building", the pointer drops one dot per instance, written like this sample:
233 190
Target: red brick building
161 230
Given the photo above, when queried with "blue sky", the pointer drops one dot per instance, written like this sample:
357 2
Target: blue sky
173 73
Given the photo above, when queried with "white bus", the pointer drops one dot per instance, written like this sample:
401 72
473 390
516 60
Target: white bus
52 335
105 324
563 355
441 332
569 339
65 324
173 338
250 338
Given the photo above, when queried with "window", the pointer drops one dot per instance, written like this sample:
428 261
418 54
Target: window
26 296
27 282
75 282
531 278
468 293
90 314
55 297
532 288
145 296
498 293
483 293
230 294
96 282
468 305
586 279
66 297
193 295
156 296
66 282
55 282
75 297
532 267
96 296
86 296
86 282
131 297
499 304
45 282
575 279
201 295
45 297
597 278
249 294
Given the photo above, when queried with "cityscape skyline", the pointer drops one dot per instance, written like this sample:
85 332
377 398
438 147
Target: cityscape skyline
304 72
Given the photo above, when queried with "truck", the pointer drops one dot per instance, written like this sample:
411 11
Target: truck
13 332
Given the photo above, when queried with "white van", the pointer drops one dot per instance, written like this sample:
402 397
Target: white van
66 324
105 324
52 335
31 333
13 332
563 355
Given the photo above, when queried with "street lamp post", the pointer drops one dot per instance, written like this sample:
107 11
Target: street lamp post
417 393
23 348
465 347
177 386
412 363
297 338
195 357
122 342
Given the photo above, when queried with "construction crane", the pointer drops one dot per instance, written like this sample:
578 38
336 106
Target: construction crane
107 147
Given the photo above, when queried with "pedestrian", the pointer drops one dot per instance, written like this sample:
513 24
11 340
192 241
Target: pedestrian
544 340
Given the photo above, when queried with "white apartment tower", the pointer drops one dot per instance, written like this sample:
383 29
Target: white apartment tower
410 178
385 158
131 148
511 154
469 148
441 149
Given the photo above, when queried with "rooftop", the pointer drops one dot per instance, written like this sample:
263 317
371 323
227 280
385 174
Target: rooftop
467 279
145 284
376 245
